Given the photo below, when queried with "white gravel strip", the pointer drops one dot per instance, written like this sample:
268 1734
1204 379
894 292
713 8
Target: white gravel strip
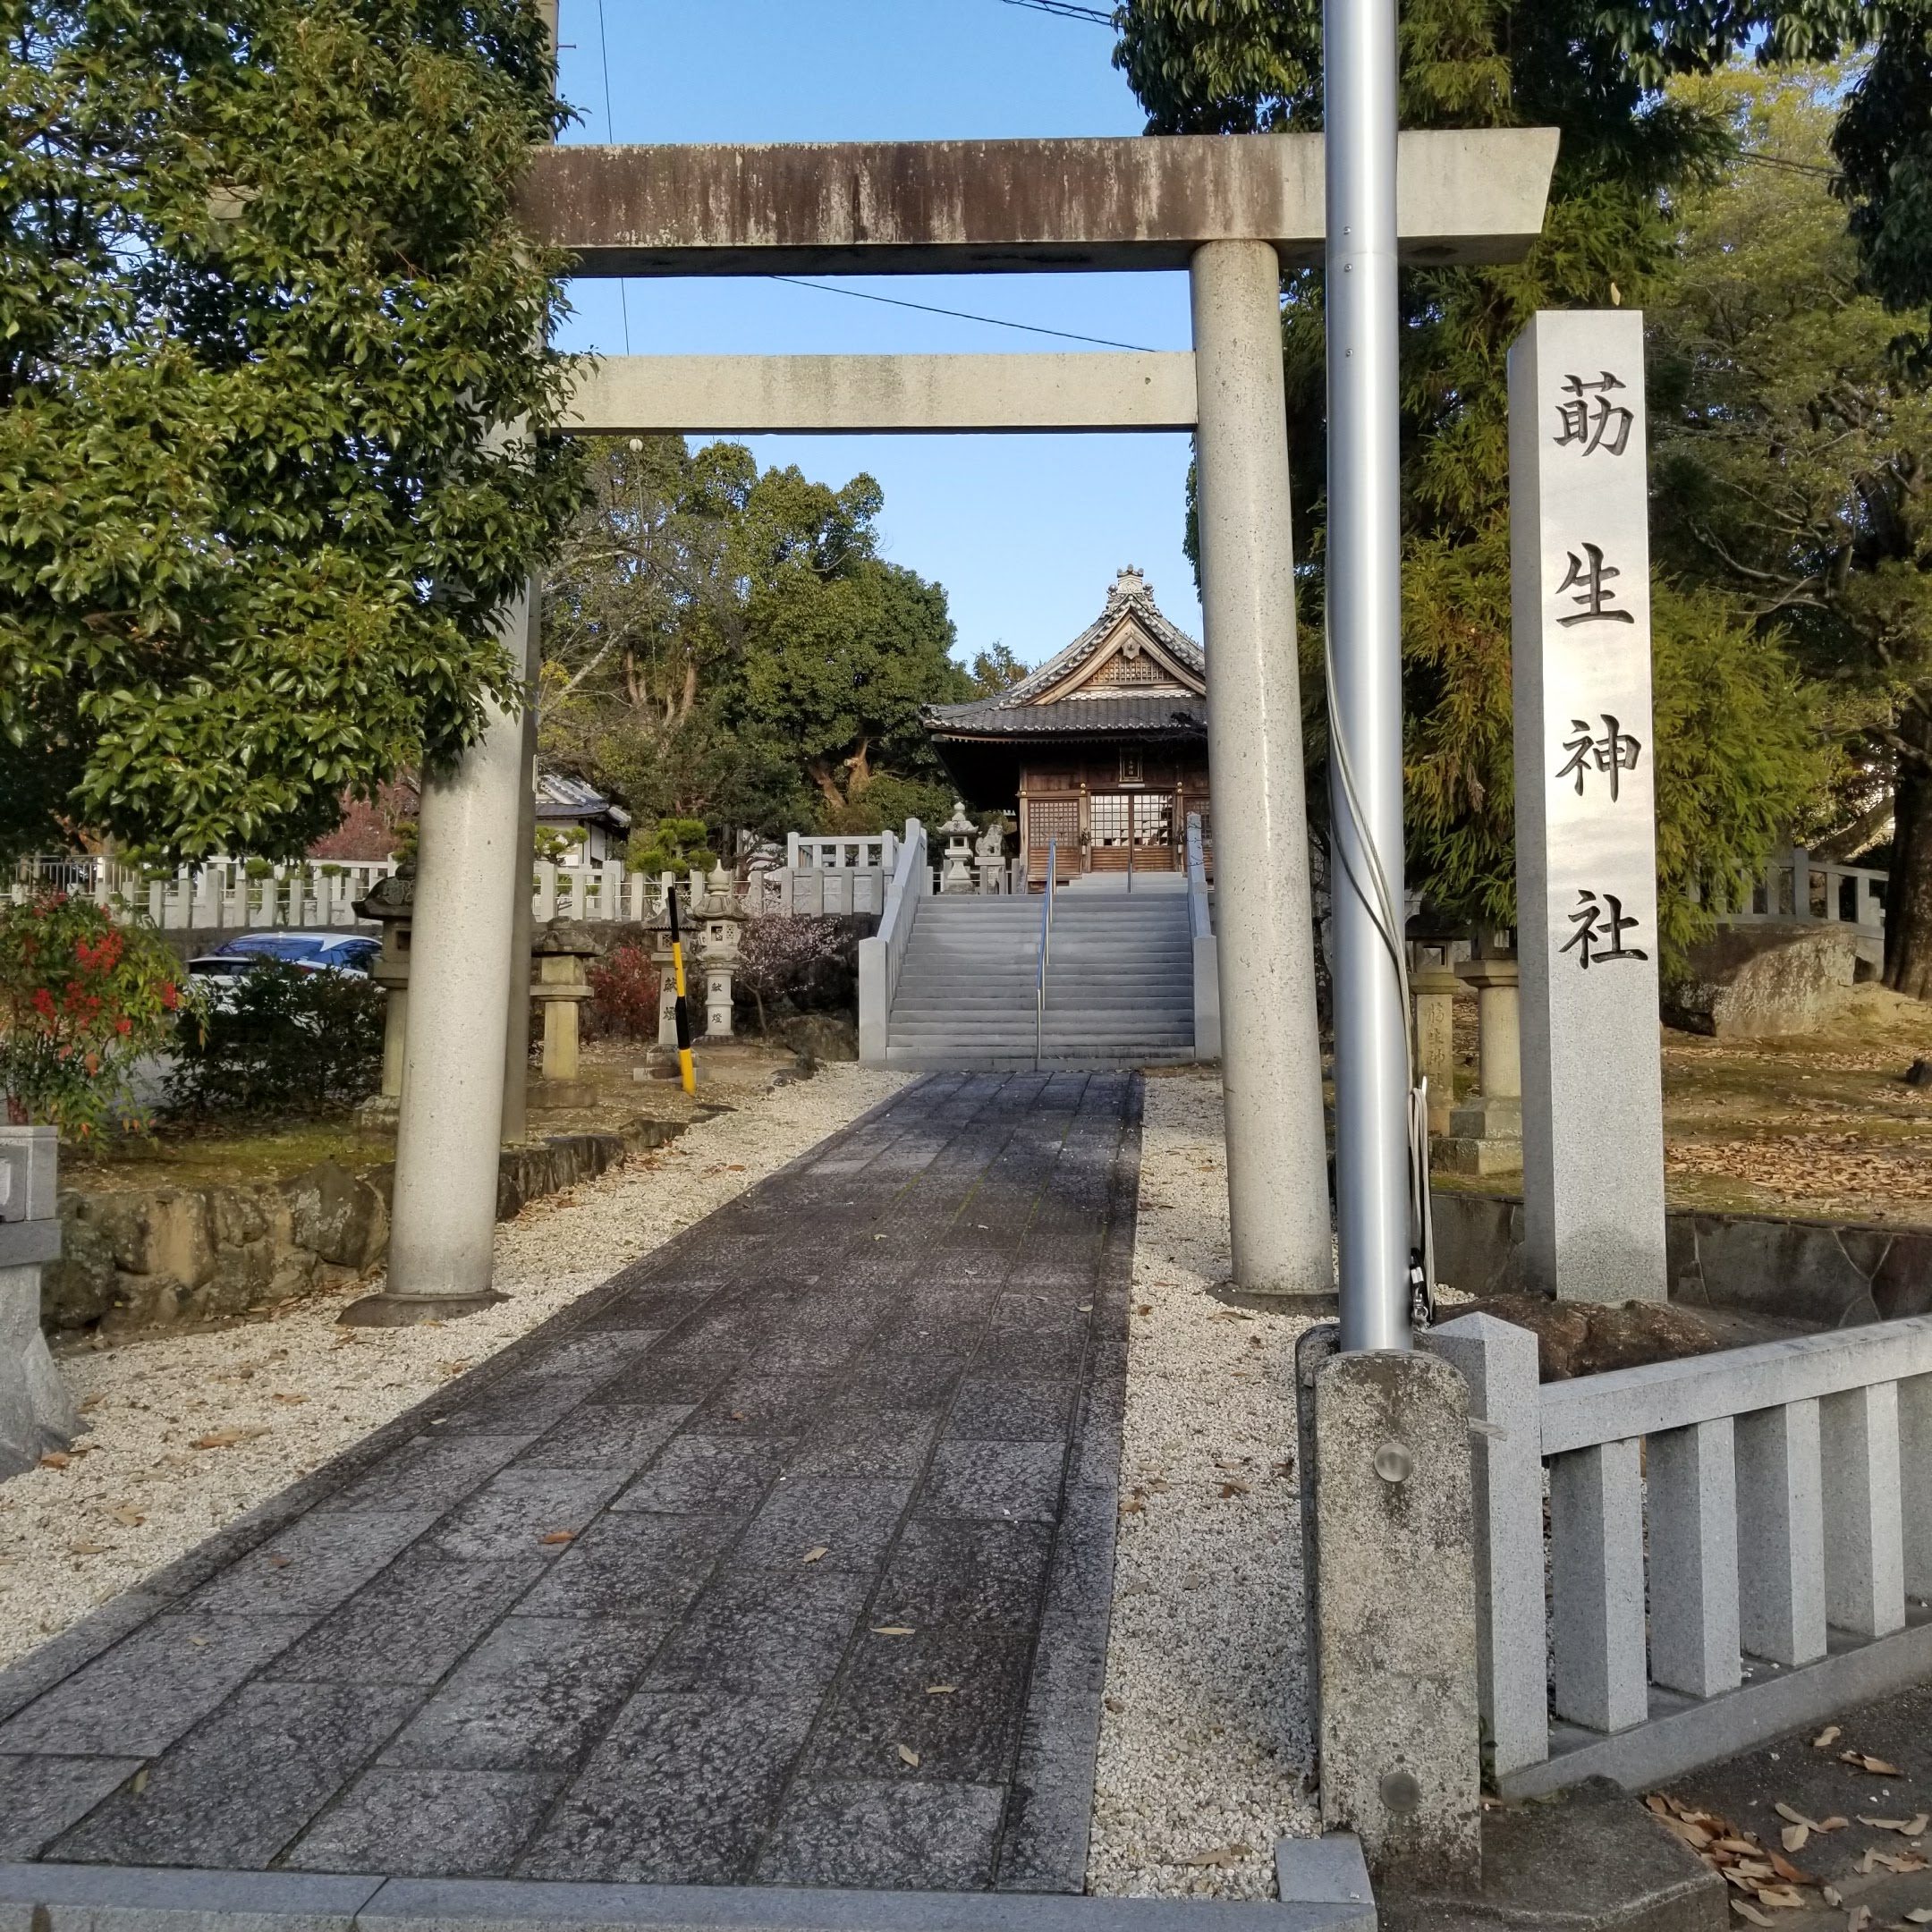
1204 1737
297 1390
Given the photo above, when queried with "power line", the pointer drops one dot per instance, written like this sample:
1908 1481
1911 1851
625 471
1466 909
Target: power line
894 301
1067 11
1796 167
610 133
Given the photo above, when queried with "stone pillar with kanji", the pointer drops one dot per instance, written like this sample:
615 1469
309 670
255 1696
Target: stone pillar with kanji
723 927
1586 810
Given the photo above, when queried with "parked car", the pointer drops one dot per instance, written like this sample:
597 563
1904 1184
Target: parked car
221 970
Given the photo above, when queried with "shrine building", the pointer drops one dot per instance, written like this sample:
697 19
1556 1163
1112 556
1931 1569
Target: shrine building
1102 751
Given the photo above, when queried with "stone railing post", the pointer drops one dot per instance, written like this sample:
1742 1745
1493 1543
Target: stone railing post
37 1414
1485 1134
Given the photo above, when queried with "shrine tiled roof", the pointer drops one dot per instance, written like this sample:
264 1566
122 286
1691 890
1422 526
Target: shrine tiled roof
987 718
1030 709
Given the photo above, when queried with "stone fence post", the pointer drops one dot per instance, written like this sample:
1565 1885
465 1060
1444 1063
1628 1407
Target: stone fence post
37 1414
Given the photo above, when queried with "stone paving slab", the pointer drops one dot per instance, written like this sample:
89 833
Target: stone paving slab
782 1560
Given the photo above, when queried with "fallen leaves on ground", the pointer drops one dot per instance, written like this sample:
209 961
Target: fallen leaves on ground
55 1459
891 1629
1874 1767
1765 1878
226 1439
1911 1828
909 1756
558 1535
1828 1737
941 1689
816 1551
1222 1856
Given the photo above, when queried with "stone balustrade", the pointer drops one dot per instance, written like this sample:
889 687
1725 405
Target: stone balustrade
1737 1544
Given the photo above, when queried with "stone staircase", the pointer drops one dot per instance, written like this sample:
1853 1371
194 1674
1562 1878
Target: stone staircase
1119 981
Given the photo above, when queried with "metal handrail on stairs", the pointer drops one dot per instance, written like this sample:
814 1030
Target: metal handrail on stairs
1045 942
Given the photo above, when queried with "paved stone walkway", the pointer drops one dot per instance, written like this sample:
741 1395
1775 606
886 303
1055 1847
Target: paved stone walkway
781 1558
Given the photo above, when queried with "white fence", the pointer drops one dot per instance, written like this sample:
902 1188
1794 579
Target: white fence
1796 887
1737 1544
233 896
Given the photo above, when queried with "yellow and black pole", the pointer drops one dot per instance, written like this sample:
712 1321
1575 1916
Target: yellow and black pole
685 1072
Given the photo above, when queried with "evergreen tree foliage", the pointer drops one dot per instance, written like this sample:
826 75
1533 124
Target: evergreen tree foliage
1629 147
1791 445
725 644
263 307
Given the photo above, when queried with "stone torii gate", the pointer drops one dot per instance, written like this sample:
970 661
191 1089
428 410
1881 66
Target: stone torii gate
1233 210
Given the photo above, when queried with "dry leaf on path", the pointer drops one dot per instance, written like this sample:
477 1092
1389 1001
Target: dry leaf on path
1828 1737
1919 1915
815 1552
226 1439
55 1459
909 1756
1795 1836
1232 1488
128 1515
559 1536
1874 1767
89 1549
891 1629
289 1396
941 1689
1222 1856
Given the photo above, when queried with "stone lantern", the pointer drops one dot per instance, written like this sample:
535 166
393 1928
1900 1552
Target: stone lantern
558 952
957 868
990 855
723 931
392 902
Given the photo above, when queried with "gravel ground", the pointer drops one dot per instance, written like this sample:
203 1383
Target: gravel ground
274 1400
1204 1737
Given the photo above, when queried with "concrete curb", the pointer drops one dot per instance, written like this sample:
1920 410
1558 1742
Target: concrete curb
111 1898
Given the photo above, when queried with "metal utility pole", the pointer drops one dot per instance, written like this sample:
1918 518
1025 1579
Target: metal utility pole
1364 588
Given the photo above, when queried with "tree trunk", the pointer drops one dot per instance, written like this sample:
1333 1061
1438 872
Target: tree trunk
1908 965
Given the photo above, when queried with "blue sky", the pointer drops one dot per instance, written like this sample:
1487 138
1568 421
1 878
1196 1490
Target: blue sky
1025 532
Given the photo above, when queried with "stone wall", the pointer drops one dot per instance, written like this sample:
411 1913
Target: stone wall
162 1258
1835 1274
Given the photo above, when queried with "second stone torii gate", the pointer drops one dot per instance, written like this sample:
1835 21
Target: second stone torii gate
1233 210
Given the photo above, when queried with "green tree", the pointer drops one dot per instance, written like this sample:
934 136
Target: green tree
1790 450
263 302
1628 148
725 643
995 669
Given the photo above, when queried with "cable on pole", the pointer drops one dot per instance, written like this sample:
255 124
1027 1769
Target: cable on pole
610 133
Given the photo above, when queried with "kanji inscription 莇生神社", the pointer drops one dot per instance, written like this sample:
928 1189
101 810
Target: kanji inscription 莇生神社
1586 815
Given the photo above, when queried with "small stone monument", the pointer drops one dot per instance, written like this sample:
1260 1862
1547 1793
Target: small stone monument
724 930
37 1414
392 902
1435 986
558 951
956 867
990 855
